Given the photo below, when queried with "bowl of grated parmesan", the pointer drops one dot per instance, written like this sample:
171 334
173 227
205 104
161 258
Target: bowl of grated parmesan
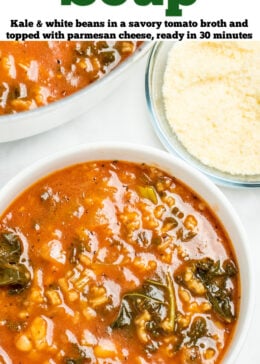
204 103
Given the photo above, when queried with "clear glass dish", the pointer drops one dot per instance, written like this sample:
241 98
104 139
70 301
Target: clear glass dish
153 87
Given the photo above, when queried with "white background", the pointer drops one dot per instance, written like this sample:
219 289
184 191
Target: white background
124 117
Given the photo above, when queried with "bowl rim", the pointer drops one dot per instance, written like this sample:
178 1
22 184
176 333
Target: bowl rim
140 153
228 180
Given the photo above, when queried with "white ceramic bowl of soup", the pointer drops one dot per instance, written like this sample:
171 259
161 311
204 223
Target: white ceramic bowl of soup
193 179
27 123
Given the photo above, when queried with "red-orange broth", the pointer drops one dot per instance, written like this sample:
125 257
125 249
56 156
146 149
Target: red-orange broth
34 74
115 262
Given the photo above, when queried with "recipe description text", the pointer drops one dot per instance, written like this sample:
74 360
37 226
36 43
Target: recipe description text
80 29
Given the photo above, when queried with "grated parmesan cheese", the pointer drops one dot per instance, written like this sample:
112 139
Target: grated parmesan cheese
211 93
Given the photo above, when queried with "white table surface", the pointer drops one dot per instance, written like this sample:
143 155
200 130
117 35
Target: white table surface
124 117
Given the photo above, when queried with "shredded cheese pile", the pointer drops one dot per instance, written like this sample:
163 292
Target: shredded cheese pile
211 93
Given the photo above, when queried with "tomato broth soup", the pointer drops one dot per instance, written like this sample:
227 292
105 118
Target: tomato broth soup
115 262
34 74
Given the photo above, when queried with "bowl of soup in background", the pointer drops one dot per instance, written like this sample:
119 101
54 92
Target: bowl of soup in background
171 175
45 84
